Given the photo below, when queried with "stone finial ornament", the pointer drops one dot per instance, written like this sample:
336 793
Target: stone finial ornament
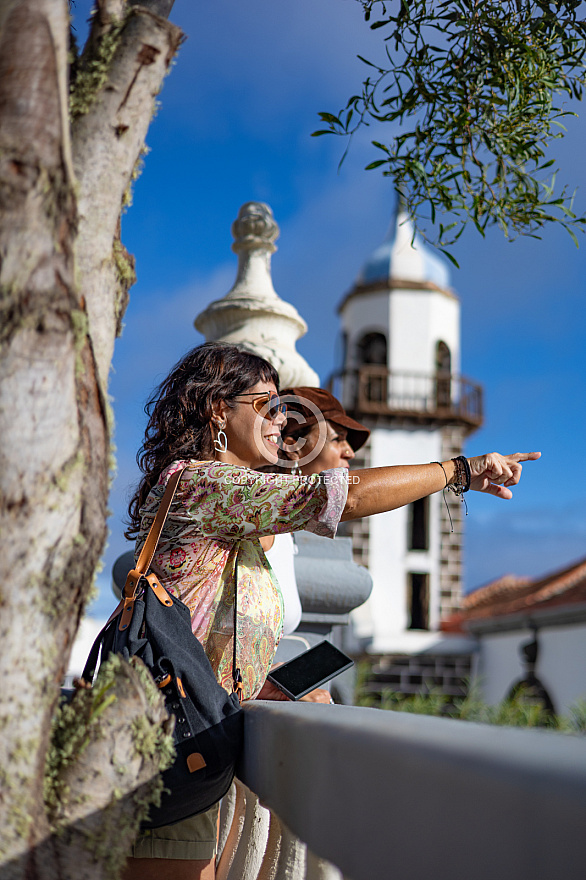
252 314
255 227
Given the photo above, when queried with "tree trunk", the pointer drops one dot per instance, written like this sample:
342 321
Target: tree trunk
119 734
64 278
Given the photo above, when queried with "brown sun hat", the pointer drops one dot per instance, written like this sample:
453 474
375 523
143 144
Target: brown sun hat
331 409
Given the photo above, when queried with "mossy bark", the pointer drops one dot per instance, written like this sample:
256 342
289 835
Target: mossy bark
103 772
62 292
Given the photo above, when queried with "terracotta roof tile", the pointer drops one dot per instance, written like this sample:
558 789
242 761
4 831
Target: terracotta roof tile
504 587
511 594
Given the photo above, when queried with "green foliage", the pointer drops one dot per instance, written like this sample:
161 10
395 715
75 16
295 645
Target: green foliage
136 172
575 720
474 93
516 712
124 263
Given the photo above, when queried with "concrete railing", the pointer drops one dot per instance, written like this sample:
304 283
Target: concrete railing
391 795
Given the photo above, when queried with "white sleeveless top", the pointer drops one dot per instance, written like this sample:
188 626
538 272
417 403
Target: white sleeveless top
281 556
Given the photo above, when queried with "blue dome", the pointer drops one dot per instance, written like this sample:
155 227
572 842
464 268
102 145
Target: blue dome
402 258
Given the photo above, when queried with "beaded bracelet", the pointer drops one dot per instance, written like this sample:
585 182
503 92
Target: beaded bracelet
463 476
461 484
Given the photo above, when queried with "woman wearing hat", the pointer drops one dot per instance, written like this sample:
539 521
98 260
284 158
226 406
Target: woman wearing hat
319 434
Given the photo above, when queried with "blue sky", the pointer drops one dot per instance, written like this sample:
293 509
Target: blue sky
234 125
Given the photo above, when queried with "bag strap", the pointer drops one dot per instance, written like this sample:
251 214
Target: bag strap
145 557
89 670
152 539
134 576
237 686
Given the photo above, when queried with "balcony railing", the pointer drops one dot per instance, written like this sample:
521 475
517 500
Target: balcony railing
365 794
376 390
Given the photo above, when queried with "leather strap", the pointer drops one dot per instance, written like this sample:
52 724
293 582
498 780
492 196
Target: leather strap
131 588
89 670
146 556
152 539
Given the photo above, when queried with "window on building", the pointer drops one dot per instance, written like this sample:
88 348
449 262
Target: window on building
372 357
418 600
372 349
443 370
418 525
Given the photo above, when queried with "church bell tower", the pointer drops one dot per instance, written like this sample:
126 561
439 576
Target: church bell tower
401 377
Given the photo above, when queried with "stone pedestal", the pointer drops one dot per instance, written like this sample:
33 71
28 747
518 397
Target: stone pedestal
330 586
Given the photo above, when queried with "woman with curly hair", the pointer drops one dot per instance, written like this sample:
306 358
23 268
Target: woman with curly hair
219 415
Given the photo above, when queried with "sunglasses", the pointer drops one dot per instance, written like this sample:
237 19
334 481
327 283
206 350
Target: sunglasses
268 405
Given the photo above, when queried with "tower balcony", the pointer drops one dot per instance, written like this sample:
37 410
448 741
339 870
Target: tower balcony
423 397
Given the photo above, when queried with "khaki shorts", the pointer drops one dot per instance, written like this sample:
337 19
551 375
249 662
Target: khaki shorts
193 838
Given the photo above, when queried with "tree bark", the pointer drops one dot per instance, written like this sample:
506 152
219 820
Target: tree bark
63 274
120 732
107 141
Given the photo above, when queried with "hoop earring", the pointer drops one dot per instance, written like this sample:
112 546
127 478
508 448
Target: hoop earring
221 441
295 469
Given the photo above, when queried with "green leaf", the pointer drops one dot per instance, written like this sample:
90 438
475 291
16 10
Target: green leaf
329 117
572 235
450 257
471 96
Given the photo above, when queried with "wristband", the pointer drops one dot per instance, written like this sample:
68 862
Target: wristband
444 470
462 477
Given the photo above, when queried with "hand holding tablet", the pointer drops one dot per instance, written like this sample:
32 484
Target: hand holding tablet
309 670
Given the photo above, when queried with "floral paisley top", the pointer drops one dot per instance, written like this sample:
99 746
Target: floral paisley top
218 515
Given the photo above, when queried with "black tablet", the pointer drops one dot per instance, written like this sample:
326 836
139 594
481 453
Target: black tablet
309 670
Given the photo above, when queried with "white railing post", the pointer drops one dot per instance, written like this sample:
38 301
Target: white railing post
245 841
270 866
319 869
255 845
231 823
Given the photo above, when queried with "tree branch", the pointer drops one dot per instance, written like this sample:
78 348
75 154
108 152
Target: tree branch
107 142
39 427
159 7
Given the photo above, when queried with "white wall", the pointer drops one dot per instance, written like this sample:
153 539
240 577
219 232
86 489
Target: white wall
87 633
413 321
561 664
419 319
384 617
367 313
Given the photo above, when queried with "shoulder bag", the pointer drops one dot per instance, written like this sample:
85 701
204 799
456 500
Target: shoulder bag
152 624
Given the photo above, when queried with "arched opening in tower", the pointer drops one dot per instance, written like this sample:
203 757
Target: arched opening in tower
443 376
372 358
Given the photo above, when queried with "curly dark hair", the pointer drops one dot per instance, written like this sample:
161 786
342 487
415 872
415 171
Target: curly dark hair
180 410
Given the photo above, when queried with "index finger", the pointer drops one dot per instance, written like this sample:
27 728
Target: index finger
525 456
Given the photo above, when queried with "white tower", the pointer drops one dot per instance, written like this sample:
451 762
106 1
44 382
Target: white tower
252 314
401 377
